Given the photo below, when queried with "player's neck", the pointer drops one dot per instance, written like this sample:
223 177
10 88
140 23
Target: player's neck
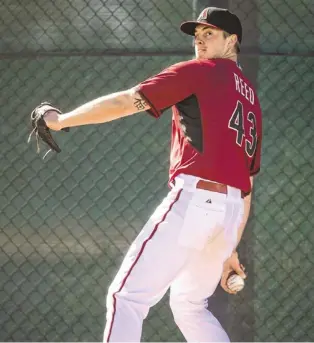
234 59
231 56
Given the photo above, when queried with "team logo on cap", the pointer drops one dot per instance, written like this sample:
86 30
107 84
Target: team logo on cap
203 15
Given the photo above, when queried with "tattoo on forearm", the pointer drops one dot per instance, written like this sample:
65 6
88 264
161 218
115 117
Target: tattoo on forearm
140 104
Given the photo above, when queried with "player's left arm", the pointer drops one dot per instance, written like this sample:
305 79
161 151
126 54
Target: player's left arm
153 95
100 110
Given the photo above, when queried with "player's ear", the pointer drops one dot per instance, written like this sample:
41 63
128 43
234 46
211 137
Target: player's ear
232 40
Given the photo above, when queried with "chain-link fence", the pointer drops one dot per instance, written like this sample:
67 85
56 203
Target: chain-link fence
66 222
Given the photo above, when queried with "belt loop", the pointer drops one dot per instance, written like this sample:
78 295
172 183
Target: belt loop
187 181
233 193
195 181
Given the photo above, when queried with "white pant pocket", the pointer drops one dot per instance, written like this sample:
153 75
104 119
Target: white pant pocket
200 223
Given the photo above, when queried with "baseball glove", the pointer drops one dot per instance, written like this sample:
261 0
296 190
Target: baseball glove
41 129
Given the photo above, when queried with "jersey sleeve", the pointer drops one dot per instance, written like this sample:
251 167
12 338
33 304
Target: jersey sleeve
169 86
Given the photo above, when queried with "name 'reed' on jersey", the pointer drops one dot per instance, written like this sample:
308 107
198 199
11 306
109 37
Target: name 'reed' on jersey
216 122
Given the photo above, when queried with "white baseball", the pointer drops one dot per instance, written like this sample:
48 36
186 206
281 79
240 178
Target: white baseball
235 283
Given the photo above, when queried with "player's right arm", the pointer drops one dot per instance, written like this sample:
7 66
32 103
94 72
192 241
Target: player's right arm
247 207
254 169
233 263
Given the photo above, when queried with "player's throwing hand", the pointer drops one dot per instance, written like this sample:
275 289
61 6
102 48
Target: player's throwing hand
232 264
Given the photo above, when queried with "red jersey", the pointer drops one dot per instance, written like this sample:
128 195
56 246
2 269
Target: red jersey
216 123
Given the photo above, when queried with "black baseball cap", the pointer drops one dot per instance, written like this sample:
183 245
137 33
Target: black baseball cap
219 18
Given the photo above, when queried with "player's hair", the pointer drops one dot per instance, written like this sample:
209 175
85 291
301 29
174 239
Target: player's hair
236 46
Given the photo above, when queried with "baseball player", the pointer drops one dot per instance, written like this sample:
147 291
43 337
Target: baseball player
189 243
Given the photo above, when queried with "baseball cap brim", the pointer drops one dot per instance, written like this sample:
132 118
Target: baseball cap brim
189 27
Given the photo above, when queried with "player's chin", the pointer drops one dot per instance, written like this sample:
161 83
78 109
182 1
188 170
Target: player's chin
203 56
199 57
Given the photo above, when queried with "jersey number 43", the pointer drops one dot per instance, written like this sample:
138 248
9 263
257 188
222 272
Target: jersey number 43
236 123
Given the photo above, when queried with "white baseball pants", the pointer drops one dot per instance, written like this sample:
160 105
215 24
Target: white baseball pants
182 246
